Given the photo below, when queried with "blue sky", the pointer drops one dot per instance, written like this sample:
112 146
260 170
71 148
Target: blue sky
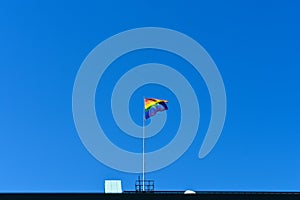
254 44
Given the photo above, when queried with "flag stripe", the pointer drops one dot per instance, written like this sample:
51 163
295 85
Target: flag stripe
152 106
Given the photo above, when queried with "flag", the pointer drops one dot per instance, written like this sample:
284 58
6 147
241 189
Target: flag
152 106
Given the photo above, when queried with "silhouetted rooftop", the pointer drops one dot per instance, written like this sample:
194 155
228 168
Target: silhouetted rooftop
157 195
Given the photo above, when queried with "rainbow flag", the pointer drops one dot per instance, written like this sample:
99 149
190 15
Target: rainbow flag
152 106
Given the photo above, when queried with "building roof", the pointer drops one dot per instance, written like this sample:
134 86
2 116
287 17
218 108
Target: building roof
158 195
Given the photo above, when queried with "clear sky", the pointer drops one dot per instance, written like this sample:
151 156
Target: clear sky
255 45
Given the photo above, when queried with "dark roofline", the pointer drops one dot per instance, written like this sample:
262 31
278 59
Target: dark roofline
157 195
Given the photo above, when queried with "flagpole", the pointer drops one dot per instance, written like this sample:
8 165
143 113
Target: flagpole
144 146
